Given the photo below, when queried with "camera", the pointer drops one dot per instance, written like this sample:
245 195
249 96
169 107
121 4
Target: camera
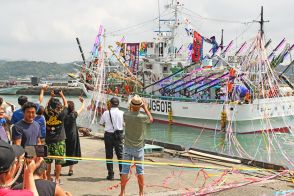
56 91
36 151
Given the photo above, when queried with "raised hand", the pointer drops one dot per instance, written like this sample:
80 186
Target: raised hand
60 93
81 99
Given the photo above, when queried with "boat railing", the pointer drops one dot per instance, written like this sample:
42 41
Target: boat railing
185 99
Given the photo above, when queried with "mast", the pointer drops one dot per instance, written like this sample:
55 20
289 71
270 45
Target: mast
261 22
174 26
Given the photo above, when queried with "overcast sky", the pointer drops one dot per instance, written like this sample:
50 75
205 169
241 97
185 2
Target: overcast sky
46 29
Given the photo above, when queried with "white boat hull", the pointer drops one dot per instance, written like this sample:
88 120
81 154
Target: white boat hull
263 115
270 115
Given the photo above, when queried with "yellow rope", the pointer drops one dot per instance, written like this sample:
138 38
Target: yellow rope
159 163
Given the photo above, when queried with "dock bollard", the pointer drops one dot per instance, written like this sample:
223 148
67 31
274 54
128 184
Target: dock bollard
170 117
223 119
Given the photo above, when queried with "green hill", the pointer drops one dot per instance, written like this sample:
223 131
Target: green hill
35 68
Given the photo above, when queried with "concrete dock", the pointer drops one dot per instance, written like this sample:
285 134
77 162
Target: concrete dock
35 90
89 176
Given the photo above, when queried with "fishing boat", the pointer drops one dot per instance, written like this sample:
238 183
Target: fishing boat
179 98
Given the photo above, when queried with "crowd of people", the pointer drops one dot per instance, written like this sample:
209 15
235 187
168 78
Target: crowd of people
53 125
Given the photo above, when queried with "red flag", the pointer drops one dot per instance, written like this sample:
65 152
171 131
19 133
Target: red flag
197 47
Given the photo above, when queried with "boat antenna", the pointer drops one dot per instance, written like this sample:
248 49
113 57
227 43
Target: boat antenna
158 17
175 25
261 22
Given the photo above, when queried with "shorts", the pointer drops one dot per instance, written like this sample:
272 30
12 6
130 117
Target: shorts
129 154
56 149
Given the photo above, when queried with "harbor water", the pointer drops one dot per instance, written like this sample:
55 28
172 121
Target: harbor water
274 148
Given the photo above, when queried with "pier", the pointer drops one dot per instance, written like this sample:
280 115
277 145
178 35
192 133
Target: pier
169 179
35 90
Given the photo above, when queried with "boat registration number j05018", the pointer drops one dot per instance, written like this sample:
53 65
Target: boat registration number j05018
160 106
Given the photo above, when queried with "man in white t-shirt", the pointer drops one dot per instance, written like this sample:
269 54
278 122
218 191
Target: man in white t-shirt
112 120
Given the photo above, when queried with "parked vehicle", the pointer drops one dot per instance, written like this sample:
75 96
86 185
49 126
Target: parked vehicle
72 83
45 83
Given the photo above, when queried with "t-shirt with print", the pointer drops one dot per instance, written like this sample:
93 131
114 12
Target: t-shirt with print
54 127
135 126
27 132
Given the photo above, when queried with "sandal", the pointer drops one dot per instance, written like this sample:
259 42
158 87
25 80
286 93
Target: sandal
70 172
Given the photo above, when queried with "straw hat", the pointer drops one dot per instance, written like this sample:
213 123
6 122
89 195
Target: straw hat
136 101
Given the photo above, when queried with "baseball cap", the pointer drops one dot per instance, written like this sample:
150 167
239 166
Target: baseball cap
114 101
8 155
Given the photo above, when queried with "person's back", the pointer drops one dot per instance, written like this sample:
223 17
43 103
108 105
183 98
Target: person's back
70 122
135 126
40 119
54 126
55 134
116 117
17 116
44 187
112 120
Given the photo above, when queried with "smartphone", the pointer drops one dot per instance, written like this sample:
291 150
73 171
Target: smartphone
36 151
56 92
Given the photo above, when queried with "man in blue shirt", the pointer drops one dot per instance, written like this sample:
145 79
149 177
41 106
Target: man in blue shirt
27 132
18 114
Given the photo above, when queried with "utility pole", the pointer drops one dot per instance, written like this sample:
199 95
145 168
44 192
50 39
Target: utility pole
261 22
158 18
222 41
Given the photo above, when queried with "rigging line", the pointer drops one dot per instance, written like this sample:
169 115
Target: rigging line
215 19
132 26
139 24
245 30
268 73
134 31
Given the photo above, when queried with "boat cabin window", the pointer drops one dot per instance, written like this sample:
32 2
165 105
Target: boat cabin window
160 49
164 69
148 66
